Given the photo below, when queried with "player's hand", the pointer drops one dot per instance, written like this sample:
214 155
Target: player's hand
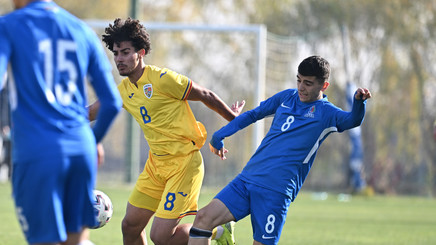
100 154
362 94
221 153
237 107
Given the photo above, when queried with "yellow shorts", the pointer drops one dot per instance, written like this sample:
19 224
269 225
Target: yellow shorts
170 186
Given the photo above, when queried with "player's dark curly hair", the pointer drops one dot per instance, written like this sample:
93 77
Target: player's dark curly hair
127 30
315 66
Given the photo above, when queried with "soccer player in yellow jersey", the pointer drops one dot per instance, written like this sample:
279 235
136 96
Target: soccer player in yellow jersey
157 98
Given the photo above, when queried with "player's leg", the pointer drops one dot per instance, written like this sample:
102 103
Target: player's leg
212 215
133 224
268 214
79 238
79 198
142 204
169 231
84 238
64 198
180 198
37 211
230 204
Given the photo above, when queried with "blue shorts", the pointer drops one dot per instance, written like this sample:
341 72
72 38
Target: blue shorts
53 194
268 208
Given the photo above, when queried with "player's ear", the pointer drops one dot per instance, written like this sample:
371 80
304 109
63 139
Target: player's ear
325 86
141 52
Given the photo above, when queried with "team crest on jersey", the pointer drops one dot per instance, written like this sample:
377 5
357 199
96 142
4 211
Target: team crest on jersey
148 90
311 112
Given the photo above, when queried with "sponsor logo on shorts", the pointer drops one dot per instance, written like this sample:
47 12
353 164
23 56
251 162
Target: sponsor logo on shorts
183 194
267 237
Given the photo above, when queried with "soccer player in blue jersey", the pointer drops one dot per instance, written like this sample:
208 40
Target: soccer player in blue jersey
54 148
272 178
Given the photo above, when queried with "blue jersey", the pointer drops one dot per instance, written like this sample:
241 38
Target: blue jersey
51 52
283 159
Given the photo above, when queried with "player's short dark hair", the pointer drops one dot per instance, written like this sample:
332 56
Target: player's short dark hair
315 66
127 30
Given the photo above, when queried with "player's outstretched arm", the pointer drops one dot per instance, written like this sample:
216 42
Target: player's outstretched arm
354 118
362 94
214 102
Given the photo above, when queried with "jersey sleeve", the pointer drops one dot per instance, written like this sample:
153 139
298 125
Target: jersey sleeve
101 78
266 108
347 120
5 52
174 85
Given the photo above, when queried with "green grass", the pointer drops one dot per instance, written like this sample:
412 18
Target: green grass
362 220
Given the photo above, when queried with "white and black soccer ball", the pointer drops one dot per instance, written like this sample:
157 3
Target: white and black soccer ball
103 208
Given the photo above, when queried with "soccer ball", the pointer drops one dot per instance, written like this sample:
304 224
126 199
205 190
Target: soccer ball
103 208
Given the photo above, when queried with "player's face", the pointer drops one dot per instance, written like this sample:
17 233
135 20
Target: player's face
126 58
310 89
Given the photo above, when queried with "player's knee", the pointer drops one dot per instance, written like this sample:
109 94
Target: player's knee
129 228
157 239
124 226
163 236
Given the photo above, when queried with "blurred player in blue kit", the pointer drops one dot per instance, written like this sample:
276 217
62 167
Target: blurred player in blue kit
272 178
54 149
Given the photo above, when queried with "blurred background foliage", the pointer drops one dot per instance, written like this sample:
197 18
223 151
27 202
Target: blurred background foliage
392 52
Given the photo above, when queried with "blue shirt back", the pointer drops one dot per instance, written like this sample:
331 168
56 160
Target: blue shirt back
51 52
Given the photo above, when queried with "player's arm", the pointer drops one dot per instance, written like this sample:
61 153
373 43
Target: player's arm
93 110
214 102
216 144
100 74
92 115
348 120
266 108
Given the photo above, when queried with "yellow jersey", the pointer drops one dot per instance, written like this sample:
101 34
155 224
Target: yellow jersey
159 106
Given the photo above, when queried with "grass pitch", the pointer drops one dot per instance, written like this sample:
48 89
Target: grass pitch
358 220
